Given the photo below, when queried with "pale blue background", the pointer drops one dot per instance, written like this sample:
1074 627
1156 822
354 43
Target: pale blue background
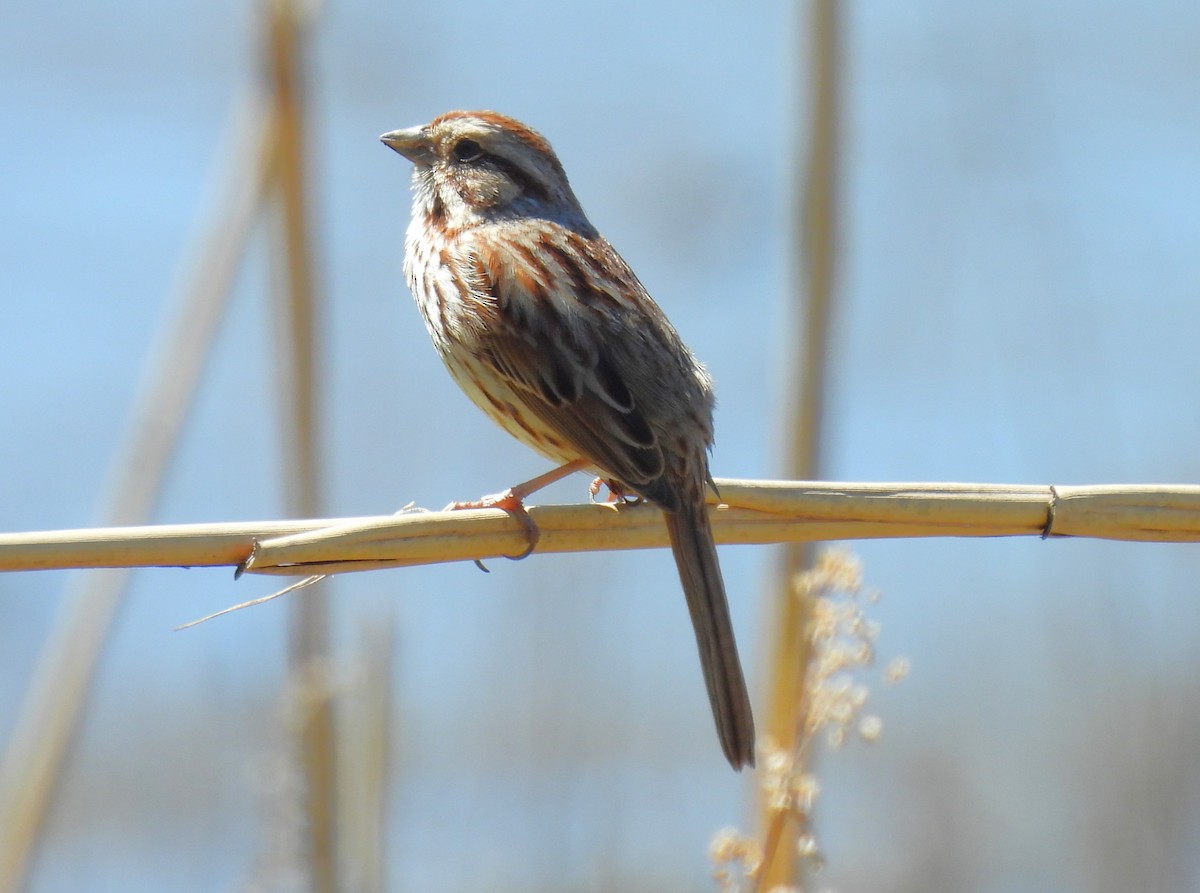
1018 303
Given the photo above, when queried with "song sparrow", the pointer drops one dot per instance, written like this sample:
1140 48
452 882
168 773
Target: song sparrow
551 334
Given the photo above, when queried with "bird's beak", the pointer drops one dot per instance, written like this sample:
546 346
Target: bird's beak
412 143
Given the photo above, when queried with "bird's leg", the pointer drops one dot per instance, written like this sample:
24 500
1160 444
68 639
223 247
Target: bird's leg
512 501
617 492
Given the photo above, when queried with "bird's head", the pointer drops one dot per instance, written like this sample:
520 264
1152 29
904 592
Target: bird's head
480 167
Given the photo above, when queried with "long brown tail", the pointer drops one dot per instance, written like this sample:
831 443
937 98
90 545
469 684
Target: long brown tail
696 557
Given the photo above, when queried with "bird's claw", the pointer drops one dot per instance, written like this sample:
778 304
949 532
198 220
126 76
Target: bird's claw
616 493
508 502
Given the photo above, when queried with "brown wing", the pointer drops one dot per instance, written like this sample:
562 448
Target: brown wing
570 356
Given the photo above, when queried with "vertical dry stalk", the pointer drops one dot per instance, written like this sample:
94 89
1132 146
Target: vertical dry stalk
365 769
297 382
841 641
816 223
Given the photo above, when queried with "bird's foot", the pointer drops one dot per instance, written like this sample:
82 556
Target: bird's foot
616 492
510 501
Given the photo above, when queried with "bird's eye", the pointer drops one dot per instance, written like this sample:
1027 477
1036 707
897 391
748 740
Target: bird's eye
468 150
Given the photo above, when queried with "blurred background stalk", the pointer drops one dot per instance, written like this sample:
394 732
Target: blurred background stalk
297 377
815 227
53 707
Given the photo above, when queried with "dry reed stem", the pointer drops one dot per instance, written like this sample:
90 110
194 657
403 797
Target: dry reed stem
815 234
842 641
365 729
296 382
751 512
